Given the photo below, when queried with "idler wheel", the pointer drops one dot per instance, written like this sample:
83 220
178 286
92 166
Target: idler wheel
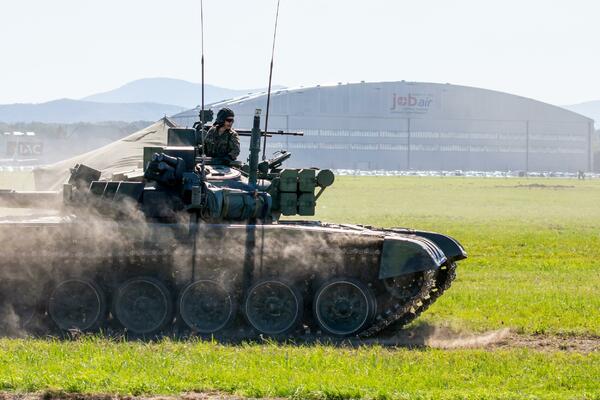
206 307
143 305
273 307
76 304
343 307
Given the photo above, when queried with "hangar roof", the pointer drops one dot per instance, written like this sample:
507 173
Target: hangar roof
401 99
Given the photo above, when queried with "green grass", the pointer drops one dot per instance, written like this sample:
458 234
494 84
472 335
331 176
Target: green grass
97 365
534 266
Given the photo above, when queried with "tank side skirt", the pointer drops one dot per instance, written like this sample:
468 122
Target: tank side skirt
450 246
404 255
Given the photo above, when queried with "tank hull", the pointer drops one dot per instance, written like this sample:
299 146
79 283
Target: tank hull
49 265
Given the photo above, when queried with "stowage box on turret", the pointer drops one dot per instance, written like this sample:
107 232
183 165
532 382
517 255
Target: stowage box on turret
198 245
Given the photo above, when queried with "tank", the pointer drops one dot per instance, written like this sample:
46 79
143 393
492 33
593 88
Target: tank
195 245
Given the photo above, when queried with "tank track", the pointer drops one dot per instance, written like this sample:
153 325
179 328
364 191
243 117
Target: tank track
398 315
396 310
443 280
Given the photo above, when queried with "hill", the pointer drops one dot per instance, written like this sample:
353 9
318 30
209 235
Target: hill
167 91
69 111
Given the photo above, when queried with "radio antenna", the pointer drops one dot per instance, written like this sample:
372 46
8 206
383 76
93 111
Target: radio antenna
269 90
202 112
196 216
202 46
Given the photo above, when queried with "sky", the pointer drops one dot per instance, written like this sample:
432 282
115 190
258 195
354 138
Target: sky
547 50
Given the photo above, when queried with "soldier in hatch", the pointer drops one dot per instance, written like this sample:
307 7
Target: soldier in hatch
221 140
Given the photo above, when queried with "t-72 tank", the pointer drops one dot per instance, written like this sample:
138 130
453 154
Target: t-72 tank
198 245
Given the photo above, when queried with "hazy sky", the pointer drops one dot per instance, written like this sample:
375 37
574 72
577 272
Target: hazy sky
548 50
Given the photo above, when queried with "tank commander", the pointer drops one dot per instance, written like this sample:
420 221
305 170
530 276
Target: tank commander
221 140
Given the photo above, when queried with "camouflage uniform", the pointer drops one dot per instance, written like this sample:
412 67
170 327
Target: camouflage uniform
222 145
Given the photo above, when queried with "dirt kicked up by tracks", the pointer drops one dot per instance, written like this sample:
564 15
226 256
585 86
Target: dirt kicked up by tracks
428 336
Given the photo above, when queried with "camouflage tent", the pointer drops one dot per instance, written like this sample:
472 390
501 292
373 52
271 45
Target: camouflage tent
120 156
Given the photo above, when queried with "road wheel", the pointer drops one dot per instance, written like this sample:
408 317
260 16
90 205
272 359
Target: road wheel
206 306
77 304
343 307
143 305
273 307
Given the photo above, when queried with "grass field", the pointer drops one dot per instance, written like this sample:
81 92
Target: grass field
92 366
534 266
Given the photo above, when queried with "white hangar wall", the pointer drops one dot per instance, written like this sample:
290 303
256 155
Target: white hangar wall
411 125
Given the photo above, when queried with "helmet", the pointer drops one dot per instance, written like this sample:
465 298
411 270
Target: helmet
223 114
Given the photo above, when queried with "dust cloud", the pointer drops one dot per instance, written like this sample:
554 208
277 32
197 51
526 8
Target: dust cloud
40 247
441 337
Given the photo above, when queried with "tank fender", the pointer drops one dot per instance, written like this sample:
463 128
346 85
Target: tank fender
451 248
404 255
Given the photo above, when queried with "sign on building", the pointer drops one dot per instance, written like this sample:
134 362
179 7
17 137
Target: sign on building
24 149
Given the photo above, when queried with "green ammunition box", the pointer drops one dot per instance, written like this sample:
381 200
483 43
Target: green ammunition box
288 180
306 204
288 203
307 180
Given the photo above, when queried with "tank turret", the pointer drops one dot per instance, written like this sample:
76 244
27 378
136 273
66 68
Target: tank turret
179 177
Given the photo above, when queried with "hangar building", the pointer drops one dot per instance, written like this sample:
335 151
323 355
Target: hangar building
421 126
